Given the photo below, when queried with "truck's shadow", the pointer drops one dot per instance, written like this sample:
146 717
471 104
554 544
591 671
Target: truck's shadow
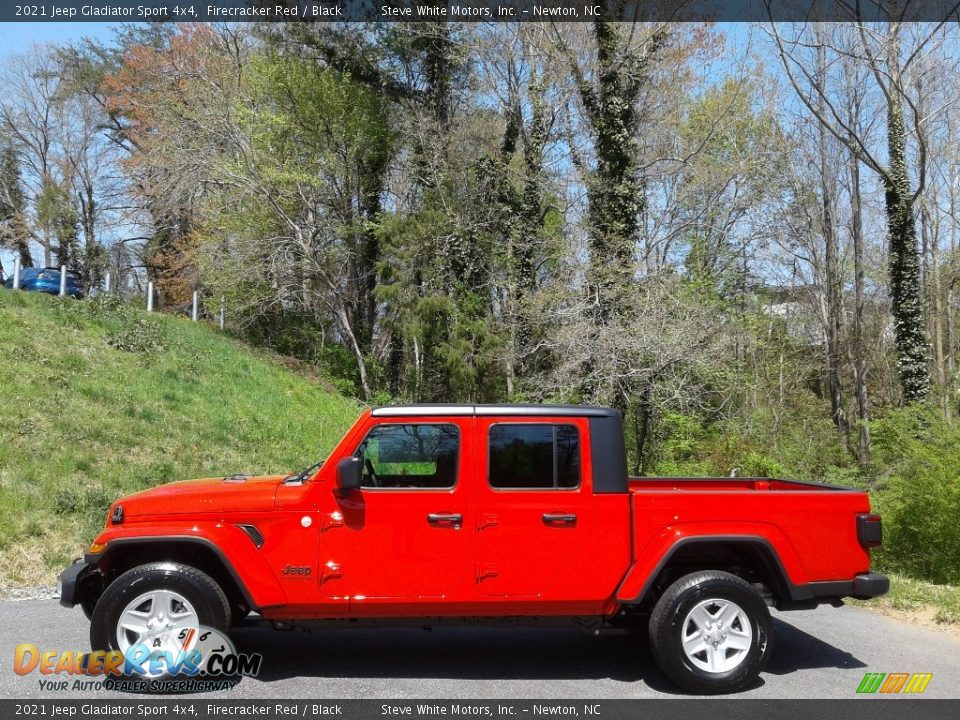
796 650
496 654
451 653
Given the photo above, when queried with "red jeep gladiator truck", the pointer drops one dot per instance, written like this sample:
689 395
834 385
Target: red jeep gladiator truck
446 513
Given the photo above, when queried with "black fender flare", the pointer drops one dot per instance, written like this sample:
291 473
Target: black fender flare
97 560
786 590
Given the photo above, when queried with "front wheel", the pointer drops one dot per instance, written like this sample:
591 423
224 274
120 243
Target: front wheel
156 605
710 633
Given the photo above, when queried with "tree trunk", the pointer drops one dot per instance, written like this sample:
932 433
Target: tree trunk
614 198
932 276
905 286
531 220
93 263
642 423
859 348
831 276
395 360
23 250
951 285
344 319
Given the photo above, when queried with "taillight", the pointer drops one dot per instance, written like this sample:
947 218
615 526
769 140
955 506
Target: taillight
869 530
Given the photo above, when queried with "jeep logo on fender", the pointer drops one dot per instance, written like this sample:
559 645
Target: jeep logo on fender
296 570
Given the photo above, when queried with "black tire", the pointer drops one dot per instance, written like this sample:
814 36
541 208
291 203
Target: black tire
667 629
88 604
208 599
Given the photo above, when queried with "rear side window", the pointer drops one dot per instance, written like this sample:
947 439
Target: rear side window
410 456
534 456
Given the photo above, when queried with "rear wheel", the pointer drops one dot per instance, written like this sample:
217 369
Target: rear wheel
710 633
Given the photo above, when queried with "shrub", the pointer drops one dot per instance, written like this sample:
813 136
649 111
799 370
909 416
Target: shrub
138 335
917 460
126 328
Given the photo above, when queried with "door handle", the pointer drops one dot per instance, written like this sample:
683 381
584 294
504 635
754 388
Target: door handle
559 518
453 520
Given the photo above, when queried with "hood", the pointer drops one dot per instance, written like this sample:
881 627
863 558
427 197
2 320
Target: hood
237 493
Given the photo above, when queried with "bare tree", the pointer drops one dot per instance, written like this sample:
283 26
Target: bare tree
881 50
28 113
662 342
14 223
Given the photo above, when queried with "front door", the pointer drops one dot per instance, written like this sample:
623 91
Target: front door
402 534
533 508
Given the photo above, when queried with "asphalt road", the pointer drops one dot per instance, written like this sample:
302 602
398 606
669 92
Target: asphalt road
820 653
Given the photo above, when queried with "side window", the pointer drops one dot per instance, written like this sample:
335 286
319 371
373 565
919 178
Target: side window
532 456
410 456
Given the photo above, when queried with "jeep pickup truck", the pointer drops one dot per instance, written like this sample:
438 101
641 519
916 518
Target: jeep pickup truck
470 513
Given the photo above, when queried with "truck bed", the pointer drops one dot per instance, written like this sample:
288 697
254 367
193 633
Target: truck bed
810 528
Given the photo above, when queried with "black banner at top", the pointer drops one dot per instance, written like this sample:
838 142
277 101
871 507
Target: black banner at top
477 10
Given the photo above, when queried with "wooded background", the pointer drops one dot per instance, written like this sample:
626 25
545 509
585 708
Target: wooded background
744 237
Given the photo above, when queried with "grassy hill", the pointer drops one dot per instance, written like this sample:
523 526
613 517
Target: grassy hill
98 399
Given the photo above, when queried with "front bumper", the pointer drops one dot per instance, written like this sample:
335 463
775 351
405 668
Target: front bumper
70 580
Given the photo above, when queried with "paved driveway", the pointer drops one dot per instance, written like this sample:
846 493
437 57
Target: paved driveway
818 654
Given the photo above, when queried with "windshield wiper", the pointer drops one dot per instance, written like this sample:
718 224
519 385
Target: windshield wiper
302 475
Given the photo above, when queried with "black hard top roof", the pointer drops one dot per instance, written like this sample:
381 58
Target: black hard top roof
487 410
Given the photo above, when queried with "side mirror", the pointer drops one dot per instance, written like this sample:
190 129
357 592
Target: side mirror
348 475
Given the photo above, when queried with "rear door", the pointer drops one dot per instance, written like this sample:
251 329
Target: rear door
533 506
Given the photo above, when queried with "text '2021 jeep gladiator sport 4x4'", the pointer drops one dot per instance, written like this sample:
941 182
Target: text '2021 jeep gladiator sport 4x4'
459 512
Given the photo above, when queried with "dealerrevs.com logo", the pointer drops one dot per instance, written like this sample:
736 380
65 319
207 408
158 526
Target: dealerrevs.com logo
191 659
894 683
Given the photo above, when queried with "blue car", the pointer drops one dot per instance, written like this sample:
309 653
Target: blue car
47 280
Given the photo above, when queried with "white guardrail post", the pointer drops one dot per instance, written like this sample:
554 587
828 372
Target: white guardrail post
63 280
221 311
16 274
149 297
106 284
196 299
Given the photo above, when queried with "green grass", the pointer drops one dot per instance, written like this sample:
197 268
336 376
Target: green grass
98 400
919 600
